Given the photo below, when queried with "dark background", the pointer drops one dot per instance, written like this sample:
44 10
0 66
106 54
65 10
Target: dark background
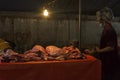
60 6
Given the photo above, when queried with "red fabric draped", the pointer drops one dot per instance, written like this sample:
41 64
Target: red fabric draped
87 69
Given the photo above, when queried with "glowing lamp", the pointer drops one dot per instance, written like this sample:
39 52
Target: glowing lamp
45 12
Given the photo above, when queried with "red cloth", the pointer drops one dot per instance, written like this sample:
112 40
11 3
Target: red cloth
87 69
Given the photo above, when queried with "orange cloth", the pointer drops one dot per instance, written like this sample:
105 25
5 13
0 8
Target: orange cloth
87 69
4 45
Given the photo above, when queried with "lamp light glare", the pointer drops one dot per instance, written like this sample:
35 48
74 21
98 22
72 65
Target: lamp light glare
45 13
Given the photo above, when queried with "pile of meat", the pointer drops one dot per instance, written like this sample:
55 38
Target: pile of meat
38 53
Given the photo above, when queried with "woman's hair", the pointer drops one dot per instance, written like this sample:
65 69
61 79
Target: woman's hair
105 14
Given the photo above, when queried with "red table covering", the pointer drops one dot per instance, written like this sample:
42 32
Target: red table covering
86 69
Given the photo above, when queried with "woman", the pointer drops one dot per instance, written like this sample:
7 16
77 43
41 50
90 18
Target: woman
107 52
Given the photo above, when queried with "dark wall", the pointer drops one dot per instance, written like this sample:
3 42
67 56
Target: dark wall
25 32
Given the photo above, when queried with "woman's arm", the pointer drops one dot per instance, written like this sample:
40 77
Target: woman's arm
106 49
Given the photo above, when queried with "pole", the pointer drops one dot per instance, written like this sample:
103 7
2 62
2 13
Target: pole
79 23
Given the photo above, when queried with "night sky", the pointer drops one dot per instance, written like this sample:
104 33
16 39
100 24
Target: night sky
20 5
70 6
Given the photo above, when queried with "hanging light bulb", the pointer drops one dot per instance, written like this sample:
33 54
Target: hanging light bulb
45 12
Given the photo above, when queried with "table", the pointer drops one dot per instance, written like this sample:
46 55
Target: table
87 69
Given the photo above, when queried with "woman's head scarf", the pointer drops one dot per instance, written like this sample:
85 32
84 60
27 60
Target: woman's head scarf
105 14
